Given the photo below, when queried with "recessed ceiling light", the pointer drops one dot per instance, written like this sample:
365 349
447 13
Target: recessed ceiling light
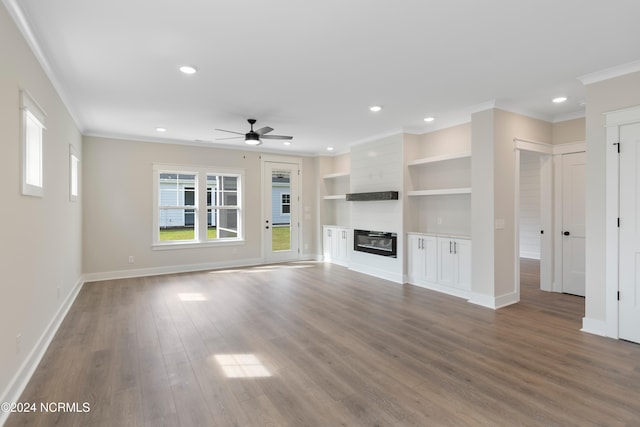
188 69
429 119
161 129
375 108
287 143
329 148
559 99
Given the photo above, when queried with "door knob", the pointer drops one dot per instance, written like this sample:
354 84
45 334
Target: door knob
566 233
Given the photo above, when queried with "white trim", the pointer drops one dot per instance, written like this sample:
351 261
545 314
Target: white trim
458 293
622 117
23 26
74 161
580 114
612 232
569 147
376 272
610 73
494 302
594 326
21 378
546 214
170 269
535 146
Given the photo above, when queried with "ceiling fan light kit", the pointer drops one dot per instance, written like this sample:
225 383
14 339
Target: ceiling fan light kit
253 136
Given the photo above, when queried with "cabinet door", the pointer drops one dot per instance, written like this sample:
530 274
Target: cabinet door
430 249
463 253
342 245
327 242
416 260
447 262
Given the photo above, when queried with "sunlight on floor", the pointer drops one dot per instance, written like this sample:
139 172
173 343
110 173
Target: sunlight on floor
196 296
242 366
264 268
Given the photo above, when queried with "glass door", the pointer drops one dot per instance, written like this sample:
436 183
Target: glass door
280 218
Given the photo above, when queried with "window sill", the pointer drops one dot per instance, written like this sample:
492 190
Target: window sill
190 245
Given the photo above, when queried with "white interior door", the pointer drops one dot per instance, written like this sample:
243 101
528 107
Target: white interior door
629 278
280 222
573 223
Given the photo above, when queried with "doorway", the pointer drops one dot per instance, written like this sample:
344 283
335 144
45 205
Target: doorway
281 225
533 210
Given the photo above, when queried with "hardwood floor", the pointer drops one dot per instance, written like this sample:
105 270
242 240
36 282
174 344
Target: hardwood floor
309 344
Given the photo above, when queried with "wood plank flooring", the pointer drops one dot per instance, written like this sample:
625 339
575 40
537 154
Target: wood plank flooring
309 344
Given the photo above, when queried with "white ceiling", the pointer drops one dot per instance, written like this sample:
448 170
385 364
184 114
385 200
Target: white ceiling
312 69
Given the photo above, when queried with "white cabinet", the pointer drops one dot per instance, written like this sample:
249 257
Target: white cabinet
335 243
454 263
423 258
440 263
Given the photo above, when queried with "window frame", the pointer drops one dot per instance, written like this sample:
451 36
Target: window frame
283 204
32 114
74 174
200 207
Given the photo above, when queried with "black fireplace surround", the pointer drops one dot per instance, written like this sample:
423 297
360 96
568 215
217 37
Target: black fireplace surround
375 242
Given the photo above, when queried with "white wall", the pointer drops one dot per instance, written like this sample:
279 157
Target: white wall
609 95
529 205
378 166
41 250
118 208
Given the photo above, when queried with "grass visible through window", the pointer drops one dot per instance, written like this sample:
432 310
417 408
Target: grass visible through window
281 240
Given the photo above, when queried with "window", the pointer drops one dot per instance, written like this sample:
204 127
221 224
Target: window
32 118
286 204
222 206
74 171
196 206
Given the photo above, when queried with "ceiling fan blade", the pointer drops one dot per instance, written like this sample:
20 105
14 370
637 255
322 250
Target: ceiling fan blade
264 130
230 131
231 137
276 137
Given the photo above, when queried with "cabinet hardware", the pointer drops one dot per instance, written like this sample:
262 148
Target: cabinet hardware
566 233
450 246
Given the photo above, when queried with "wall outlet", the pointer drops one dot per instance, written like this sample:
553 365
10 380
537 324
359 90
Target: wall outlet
18 343
131 259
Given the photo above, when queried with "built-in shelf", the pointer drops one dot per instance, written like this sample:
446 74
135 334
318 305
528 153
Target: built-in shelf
433 159
439 192
335 175
335 197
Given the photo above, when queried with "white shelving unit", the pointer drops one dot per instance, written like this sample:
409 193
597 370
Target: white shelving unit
439 192
338 181
442 158
425 162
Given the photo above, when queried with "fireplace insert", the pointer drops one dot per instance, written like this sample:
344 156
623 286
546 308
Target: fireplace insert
375 242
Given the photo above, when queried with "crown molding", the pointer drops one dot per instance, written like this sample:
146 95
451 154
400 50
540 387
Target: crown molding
25 29
610 73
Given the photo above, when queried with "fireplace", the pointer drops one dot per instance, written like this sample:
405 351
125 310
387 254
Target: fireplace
375 242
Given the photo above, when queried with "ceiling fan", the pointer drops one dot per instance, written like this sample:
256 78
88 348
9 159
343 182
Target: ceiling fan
253 137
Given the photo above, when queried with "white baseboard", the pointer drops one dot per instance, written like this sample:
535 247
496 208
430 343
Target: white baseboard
594 326
376 272
23 375
494 302
459 293
171 269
